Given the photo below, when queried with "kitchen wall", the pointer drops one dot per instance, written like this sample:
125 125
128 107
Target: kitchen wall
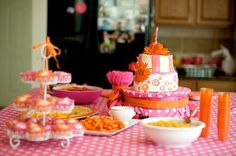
23 23
190 41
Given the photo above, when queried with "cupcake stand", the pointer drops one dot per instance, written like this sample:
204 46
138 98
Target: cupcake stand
34 123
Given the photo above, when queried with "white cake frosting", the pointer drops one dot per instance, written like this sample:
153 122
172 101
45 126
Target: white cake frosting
163 77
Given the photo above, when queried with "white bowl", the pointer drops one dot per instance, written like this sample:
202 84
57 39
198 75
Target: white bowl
172 136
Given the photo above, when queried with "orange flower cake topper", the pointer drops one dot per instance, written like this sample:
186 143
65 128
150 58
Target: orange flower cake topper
156 48
48 50
142 72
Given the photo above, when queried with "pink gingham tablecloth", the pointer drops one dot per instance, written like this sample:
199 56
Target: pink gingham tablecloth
131 142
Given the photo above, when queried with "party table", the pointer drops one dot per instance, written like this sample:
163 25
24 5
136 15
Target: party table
131 141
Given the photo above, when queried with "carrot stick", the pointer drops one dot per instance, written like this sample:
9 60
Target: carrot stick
224 102
205 109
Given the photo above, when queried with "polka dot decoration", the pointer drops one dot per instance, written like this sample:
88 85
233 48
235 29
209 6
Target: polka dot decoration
129 142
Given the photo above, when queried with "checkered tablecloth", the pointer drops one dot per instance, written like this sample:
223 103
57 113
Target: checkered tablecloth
130 142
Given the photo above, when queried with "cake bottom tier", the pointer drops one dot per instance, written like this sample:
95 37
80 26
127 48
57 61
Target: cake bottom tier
179 112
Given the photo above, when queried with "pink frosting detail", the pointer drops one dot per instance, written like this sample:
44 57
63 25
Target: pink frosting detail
155 64
162 87
155 82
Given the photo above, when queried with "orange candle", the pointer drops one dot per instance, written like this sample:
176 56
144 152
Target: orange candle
223 118
205 109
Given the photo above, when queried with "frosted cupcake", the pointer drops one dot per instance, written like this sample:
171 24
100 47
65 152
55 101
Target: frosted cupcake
62 77
35 132
71 122
9 127
77 128
62 131
21 103
46 76
31 120
42 106
48 130
58 121
64 105
19 129
48 121
28 76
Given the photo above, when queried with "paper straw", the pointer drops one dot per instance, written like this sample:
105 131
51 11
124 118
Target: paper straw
223 116
205 109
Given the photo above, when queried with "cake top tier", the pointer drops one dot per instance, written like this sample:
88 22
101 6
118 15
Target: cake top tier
156 49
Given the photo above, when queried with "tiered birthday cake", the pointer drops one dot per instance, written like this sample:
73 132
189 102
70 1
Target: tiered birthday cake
155 90
155 71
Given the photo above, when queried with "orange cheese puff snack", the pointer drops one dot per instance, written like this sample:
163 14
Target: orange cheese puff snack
102 124
223 117
205 109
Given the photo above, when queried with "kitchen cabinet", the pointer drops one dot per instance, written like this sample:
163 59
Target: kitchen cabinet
194 12
215 83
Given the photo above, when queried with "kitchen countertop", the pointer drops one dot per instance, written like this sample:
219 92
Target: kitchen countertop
220 78
218 75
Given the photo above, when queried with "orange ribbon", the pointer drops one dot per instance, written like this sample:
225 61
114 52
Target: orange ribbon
51 50
119 87
156 103
116 94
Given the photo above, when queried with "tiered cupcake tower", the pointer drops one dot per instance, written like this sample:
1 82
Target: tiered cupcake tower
44 127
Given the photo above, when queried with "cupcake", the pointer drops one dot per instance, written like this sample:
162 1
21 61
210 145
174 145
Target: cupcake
62 131
21 103
35 132
42 106
48 130
28 76
48 120
19 129
64 105
71 122
78 129
62 77
32 120
46 76
58 121
9 126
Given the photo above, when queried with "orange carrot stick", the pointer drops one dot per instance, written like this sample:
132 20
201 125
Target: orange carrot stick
205 109
224 102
